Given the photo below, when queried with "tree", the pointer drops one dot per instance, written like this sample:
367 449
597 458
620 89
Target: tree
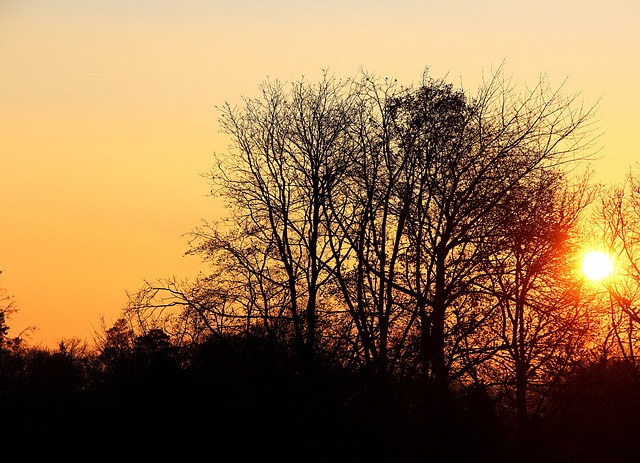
9 369
619 221
289 150
7 309
540 326
188 312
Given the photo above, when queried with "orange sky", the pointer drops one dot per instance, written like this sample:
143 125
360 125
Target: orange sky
107 115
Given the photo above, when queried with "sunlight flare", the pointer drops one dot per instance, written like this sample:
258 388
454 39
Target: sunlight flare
597 265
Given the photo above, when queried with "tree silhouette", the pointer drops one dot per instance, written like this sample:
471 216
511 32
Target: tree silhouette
619 219
541 325
290 149
7 308
397 233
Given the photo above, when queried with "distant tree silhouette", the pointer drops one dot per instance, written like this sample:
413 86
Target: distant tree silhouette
10 348
7 308
4 328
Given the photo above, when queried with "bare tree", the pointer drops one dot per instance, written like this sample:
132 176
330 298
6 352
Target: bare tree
289 150
7 309
187 311
433 166
619 219
505 138
540 324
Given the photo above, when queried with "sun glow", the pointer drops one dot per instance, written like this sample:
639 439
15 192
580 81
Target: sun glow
597 265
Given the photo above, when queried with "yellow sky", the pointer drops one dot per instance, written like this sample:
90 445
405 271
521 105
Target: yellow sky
107 115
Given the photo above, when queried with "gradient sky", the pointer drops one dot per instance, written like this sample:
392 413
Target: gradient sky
108 119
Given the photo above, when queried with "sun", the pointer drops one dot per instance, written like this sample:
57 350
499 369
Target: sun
597 265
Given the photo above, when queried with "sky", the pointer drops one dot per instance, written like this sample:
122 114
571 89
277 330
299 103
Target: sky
108 116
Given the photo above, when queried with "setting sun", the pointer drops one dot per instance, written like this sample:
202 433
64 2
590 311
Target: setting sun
597 265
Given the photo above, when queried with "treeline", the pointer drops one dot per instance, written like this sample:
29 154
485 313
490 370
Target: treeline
243 398
396 278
